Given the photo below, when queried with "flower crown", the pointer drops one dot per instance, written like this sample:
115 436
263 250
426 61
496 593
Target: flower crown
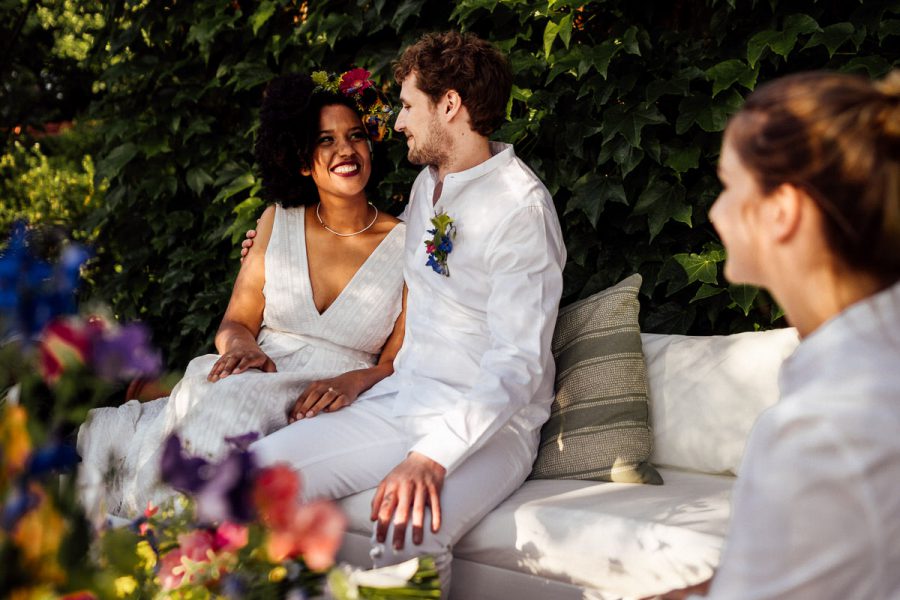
355 84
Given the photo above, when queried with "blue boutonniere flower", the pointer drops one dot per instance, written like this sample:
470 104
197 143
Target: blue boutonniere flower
440 245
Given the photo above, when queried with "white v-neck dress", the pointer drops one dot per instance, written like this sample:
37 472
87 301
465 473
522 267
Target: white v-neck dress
121 447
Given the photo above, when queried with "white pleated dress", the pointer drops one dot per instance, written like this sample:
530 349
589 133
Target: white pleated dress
121 447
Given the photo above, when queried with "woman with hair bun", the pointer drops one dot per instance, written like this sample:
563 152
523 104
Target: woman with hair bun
811 211
315 317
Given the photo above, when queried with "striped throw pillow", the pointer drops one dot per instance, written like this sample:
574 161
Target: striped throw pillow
599 422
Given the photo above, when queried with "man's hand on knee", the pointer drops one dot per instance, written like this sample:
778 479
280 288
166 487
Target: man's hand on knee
405 492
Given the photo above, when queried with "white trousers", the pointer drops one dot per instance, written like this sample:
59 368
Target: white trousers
353 449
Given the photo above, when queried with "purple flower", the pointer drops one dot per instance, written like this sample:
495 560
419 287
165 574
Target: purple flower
125 353
222 491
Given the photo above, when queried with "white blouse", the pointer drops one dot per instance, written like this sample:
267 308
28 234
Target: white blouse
816 509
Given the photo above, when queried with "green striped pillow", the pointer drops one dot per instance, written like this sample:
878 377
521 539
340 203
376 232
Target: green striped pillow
599 422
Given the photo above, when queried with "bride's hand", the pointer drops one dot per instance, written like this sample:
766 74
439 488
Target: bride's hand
238 361
326 395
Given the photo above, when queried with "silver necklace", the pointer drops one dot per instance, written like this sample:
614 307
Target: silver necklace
330 230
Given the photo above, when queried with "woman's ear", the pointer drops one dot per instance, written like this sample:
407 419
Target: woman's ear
305 171
787 206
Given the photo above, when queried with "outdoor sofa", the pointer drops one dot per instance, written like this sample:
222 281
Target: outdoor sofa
573 539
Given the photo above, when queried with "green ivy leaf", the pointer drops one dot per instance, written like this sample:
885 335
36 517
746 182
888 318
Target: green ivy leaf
262 14
743 296
406 9
682 160
706 291
627 156
197 179
592 191
701 267
727 73
873 66
629 41
629 122
780 42
832 37
662 201
601 55
550 33
887 28
565 29
116 160
711 116
237 185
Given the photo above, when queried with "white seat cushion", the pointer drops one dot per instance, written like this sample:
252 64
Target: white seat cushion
627 539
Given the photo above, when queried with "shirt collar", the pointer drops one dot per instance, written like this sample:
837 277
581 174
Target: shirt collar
501 154
860 328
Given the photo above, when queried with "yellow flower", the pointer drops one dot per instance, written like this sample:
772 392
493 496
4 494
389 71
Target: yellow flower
125 585
146 554
277 574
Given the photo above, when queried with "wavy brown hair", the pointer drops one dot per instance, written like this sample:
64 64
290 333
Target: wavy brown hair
464 62
837 137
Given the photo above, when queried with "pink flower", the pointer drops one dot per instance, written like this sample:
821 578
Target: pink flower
315 533
354 81
231 537
429 248
275 493
193 545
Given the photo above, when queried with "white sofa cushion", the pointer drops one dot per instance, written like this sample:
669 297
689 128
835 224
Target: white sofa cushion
624 539
706 392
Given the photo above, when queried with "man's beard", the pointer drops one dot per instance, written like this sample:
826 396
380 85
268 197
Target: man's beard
434 149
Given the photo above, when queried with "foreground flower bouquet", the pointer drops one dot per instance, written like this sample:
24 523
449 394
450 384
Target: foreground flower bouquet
238 531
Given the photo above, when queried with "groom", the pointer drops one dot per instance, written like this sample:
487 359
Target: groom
456 427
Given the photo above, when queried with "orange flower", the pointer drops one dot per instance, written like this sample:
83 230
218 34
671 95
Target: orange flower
15 445
38 535
275 494
315 533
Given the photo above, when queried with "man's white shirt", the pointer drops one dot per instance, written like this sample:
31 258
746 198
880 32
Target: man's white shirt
476 353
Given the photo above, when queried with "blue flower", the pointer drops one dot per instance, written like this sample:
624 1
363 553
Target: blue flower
446 245
435 265
19 501
32 292
53 458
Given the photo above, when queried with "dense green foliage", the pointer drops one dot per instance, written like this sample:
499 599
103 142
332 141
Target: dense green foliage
618 106
50 190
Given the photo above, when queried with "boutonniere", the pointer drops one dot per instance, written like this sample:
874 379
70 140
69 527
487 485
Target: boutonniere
441 243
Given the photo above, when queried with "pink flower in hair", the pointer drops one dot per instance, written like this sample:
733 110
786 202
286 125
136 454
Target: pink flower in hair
355 81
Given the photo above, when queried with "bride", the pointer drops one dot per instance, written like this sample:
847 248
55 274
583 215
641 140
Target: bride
314 319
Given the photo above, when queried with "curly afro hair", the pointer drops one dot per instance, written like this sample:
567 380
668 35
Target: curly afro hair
286 138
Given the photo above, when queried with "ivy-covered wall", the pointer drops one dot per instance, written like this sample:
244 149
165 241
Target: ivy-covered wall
618 106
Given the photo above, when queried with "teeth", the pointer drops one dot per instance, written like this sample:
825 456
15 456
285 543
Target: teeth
344 169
